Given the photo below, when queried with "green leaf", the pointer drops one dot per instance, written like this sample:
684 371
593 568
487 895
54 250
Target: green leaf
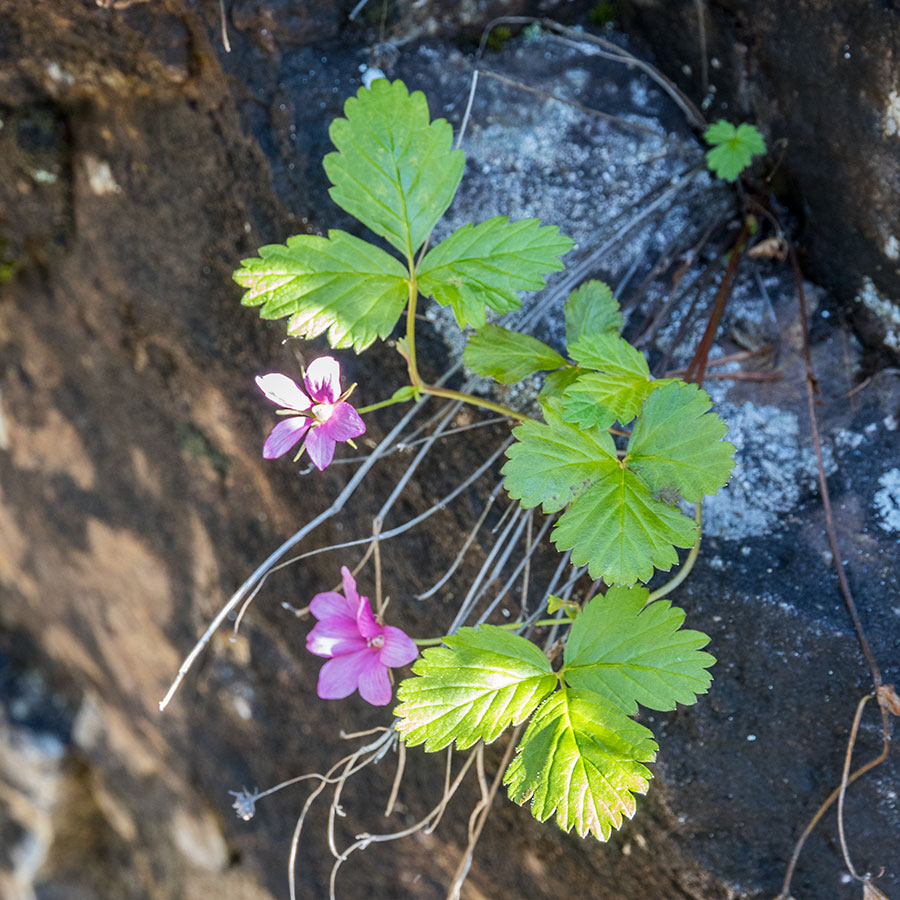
581 758
508 356
733 148
395 170
677 443
553 464
556 383
487 264
591 309
484 680
631 654
614 524
620 531
607 352
339 283
597 399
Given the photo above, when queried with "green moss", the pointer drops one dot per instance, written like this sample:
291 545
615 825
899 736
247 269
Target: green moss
603 14
498 37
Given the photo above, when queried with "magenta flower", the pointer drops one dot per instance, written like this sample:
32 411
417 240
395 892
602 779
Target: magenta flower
324 416
360 649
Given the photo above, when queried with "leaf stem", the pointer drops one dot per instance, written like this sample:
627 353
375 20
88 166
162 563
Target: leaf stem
474 401
685 570
362 410
414 377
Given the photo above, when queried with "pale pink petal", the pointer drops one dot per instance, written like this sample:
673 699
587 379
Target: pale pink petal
365 620
339 677
349 583
282 390
323 379
343 423
398 649
330 603
374 682
336 636
320 448
284 435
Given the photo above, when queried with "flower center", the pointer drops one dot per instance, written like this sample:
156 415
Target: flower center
322 412
376 642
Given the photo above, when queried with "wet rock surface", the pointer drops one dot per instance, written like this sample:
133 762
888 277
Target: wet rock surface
132 497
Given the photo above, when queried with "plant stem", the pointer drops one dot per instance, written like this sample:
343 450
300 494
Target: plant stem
685 570
389 402
474 401
412 368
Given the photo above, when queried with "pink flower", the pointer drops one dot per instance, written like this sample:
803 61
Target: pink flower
360 649
324 416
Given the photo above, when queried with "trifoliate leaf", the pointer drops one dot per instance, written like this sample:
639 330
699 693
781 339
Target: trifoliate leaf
484 680
395 170
487 264
620 531
734 148
581 757
677 443
553 464
607 352
591 309
633 655
508 356
339 283
614 524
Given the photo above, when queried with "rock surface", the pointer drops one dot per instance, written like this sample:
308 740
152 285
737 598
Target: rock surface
133 498
820 78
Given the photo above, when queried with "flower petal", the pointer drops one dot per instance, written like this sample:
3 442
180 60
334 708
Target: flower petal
335 636
398 649
282 390
365 620
343 423
330 603
339 677
320 448
284 435
349 583
323 379
374 682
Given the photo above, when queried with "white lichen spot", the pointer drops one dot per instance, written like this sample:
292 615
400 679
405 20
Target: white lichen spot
772 471
892 115
848 440
99 176
370 75
887 312
42 176
887 500
892 248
